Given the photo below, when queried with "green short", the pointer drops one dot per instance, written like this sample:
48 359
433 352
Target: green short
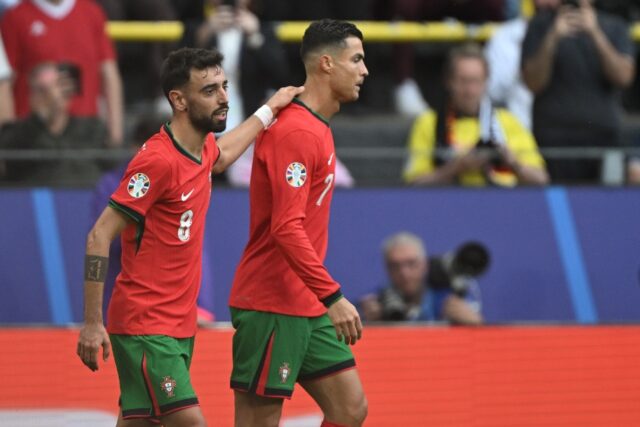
273 351
154 374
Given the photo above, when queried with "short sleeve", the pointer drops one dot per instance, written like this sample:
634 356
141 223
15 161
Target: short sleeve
104 42
536 31
144 182
10 39
620 38
421 145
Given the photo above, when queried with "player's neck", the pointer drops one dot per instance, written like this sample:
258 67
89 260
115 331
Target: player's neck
189 138
317 97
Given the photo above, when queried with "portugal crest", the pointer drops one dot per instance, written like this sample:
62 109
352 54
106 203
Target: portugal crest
168 386
284 372
296 174
139 184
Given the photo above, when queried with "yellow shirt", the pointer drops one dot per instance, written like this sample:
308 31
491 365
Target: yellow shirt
464 136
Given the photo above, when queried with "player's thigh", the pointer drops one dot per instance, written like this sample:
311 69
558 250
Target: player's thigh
340 396
256 411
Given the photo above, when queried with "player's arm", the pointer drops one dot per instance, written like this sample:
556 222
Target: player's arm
290 236
235 142
93 334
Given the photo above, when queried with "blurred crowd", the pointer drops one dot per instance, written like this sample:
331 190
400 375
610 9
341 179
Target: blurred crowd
556 80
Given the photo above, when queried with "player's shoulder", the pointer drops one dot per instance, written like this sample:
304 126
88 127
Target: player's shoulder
156 149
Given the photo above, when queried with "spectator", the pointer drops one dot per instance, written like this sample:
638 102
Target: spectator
7 111
407 96
575 60
255 61
71 31
408 296
467 141
51 127
503 52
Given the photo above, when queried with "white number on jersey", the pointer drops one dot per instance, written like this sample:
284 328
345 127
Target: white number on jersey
328 180
184 232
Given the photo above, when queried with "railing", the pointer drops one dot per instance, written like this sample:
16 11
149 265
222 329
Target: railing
613 159
291 32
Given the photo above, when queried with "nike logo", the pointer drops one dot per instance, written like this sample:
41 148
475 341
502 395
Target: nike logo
330 159
184 197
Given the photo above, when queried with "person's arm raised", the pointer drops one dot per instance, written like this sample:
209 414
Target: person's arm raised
235 142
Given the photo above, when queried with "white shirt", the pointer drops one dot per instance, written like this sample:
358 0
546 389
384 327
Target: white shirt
506 87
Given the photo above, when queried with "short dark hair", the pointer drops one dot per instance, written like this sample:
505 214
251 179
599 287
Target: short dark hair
327 33
176 69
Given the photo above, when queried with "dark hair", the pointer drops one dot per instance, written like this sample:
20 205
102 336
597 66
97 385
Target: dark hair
327 33
176 69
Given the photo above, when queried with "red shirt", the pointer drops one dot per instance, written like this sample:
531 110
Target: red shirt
166 191
32 36
282 269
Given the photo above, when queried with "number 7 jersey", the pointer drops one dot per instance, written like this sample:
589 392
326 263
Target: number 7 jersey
166 192
282 270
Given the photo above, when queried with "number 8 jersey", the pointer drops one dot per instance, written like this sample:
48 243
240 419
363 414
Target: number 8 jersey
166 192
282 269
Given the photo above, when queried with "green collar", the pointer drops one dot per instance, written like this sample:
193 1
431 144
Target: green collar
318 116
180 148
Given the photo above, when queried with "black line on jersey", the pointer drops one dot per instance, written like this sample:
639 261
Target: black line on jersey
317 115
167 129
139 219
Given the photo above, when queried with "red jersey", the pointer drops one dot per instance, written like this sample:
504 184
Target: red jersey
281 270
33 34
166 191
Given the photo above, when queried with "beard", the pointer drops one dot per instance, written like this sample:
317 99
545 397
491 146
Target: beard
206 124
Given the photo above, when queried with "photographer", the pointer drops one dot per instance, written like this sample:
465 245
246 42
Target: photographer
410 295
467 141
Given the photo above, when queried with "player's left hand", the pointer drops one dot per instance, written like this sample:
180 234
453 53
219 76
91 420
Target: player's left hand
346 320
92 337
283 97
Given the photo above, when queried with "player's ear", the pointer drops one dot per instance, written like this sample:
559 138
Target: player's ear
325 62
178 100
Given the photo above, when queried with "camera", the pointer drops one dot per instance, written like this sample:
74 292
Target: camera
458 269
491 148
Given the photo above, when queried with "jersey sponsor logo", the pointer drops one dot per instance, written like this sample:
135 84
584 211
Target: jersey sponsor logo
296 174
168 386
139 184
284 372
184 197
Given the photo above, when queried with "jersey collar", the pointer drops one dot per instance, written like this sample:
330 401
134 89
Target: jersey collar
167 129
317 115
